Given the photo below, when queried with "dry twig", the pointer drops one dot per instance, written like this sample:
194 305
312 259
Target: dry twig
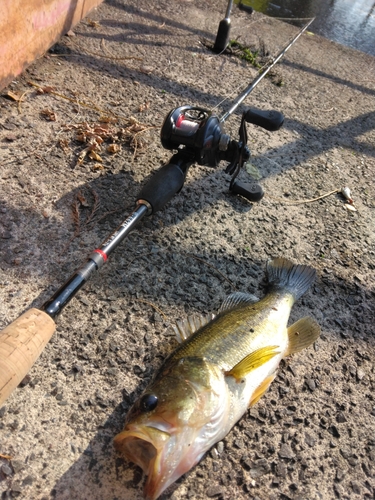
154 307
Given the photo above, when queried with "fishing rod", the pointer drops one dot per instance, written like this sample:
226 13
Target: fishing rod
198 137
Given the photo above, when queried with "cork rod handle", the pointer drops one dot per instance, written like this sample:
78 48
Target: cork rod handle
21 343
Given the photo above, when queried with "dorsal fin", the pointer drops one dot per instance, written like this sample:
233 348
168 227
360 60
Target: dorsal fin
302 334
186 327
237 299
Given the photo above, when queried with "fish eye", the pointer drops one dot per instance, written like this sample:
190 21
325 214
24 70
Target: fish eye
148 402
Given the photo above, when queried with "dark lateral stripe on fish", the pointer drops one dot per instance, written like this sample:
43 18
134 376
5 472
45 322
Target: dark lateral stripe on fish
295 278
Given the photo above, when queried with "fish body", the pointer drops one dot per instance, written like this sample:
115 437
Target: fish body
222 367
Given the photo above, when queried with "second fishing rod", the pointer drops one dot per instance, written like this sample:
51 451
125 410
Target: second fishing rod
196 135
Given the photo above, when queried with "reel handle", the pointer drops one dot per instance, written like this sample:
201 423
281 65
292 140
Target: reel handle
270 120
252 192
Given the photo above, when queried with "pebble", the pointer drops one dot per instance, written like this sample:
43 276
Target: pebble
340 417
310 440
214 491
340 474
346 452
17 465
6 470
259 468
360 374
311 384
220 447
286 452
16 489
281 469
28 481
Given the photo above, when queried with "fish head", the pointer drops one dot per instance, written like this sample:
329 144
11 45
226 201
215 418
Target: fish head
175 421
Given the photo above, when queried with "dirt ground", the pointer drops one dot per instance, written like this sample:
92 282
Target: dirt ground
313 435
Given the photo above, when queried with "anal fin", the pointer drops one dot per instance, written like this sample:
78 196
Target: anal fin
262 389
302 334
253 360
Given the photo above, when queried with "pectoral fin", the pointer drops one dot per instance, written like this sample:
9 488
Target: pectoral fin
262 389
252 361
302 334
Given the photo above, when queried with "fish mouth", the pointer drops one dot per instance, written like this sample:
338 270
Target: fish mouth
147 447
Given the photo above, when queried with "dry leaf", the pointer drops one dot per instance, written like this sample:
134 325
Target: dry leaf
144 106
12 95
113 148
48 114
97 166
351 208
64 145
82 199
93 24
94 156
45 90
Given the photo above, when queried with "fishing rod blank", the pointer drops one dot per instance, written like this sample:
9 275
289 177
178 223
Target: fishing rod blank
239 100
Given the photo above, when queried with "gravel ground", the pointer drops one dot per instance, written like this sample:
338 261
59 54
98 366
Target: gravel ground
312 435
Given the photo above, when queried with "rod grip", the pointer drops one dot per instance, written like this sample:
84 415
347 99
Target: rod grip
21 343
162 186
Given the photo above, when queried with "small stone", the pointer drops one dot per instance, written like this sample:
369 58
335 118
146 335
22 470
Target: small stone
353 461
220 447
281 469
310 440
311 384
26 380
356 488
339 491
346 452
214 491
6 470
334 431
16 489
286 452
28 481
17 465
360 374
340 474
340 417
239 443
259 468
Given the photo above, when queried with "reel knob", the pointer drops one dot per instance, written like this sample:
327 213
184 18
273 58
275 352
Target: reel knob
252 192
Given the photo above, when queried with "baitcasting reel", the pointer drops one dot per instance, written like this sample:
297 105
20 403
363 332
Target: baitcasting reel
199 135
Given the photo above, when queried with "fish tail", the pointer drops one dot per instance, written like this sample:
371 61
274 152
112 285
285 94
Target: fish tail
295 278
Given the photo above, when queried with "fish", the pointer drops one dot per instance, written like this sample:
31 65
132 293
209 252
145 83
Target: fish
222 366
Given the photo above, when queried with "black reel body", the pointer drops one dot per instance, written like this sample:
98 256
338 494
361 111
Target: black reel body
198 136
195 128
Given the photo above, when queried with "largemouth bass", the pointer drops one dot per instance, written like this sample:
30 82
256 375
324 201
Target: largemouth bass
223 366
